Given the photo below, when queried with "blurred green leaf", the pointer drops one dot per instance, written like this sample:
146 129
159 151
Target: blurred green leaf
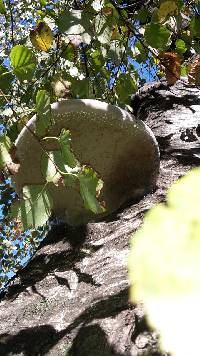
185 193
164 265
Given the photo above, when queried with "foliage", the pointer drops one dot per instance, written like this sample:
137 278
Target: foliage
164 266
98 49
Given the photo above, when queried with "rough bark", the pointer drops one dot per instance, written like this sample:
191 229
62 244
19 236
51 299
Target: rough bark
72 297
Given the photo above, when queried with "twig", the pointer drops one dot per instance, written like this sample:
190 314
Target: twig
85 61
57 49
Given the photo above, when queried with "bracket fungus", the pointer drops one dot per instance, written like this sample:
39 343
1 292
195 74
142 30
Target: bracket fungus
120 149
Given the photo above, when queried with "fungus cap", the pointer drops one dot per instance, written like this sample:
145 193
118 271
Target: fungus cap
121 149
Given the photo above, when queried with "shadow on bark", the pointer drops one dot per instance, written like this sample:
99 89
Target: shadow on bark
72 238
90 339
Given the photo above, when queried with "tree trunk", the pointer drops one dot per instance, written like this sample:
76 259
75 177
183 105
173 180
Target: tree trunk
73 296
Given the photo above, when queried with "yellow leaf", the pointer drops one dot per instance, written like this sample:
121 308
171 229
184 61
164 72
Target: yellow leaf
156 60
41 37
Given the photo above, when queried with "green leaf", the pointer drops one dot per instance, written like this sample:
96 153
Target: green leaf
71 180
6 78
126 85
89 182
35 209
43 108
103 29
142 15
184 71
2 8
5 146
115 52
64 140
70 52
53 165
23 62
181 46
157 36
13 130
80 88
48 167
195 26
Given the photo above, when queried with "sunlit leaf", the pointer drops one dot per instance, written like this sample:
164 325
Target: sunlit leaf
184 71
157 36
43 103
23 62
43 108
41 37
35 209
43 2
89 190
181 46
